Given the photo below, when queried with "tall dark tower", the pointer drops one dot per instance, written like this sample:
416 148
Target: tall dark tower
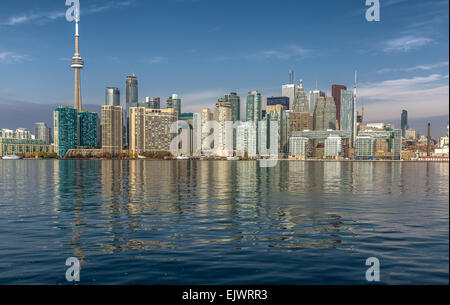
336 93
404 122
77 64
131 100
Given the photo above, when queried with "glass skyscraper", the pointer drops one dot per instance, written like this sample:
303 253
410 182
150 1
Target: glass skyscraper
336 93
131 101
42 132
254 110
235 101
112 96
281 100
347 116
404 122
65 126
301 102
174 102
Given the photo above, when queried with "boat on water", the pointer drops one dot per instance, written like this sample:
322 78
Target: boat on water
182 158
12 157
233 158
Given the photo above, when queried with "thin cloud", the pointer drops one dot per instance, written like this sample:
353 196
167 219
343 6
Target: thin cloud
11 57
157 60
406 43
421 96
419 67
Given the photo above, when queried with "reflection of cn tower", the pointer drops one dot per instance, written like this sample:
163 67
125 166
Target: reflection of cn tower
77 64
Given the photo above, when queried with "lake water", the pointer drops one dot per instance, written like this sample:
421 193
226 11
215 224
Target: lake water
214 222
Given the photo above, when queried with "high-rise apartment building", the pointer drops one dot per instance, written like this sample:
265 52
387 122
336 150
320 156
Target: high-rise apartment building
313 96
150 129
333 147
404 122
112 128
235 102
42 132
205 116
246 140
330 114
65 129
336 93
254 107
347 117
131 101
224 136
300 147
174 102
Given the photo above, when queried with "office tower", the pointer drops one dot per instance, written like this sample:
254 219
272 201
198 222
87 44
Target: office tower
300 147
289 91
205 117
254 108
131 101
42 132
174 102
330 113
88 129
235 101
112 128
336 93
319 114
313 96
246 140
404 122
65 129
348 110
150 129
282 100
294 121
222 115
301 103
333 146
270 131
77 64
112 96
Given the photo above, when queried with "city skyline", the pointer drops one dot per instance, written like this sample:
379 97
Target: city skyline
390 84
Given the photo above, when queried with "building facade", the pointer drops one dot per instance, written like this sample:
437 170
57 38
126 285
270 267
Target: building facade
112 127
42 132
88 129
65 130
112 96
336 92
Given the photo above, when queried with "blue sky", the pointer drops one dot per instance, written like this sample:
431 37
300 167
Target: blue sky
202 49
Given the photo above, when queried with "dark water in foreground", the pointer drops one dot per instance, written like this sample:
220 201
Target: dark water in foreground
200 222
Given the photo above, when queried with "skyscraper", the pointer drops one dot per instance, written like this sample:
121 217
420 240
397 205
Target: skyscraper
42 132
235 101
222 115
65 129
336 93
112 96
131 101
205 130
319 114
313 96
347 121
289 91
330 114
254 110
77 64
112 128
301 102
88 129
404 122
174 102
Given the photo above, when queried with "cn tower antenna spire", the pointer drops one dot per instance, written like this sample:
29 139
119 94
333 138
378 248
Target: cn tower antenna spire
77 63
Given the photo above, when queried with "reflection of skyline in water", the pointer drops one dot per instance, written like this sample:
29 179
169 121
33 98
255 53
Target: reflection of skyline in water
217 210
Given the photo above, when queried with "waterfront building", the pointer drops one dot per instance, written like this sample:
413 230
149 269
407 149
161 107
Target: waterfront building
21 147
7 133
254 107
112 128
112 96
235 102
270 132
224 136
23 134
404 122
301 103
65 129
206 116
333 147
42 132
88 129
150 129
393 138
300 147
174 102
132 96
281 100
330 114
246 140
336 92
365 147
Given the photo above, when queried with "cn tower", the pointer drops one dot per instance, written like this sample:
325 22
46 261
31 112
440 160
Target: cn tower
77 64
